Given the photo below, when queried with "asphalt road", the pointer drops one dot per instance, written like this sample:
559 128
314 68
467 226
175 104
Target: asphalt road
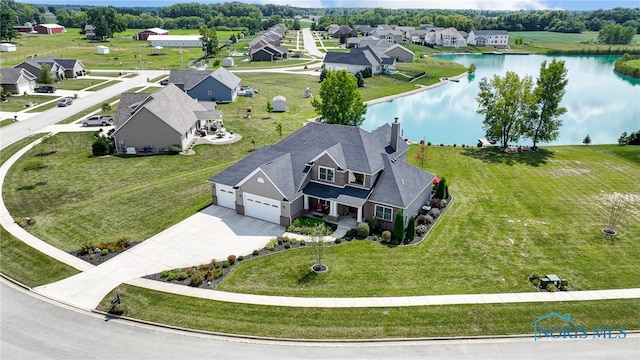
34 328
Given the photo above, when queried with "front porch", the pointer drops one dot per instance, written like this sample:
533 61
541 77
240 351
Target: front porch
333 211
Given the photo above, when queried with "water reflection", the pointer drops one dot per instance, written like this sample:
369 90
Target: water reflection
599 102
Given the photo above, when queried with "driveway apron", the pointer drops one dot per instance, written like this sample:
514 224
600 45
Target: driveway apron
213 233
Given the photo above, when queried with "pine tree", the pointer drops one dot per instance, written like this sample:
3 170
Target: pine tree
398 228
411 229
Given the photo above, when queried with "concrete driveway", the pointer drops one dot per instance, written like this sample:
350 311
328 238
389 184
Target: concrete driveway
213 233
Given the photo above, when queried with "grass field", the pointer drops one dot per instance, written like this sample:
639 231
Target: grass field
365 323
543 42
77 84
17 103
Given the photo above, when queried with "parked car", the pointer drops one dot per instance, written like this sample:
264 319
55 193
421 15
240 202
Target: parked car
46 89
164 82
64 102
97 120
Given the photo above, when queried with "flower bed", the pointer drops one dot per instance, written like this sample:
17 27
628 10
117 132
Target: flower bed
96 254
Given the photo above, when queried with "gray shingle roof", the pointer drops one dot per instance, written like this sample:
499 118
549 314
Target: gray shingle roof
491 32
366 56
190 78
128 103
399 183
285 163
226 77
11 75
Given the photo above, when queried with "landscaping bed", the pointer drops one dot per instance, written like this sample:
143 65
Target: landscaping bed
96 254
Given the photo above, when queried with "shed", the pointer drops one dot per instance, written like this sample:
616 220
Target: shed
6 47
102 49
279 103
228 62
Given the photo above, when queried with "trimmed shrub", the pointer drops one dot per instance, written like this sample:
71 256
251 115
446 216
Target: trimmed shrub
374 226
398 228
104 252
363 230
181 276
434 212
421 219
551 288
231 259
287 245
302 243
421 230
434 202
428 220
338 241
271 245
101 146
411 229
171 276
240 258
255 252
443 204
226 264
441 189
174 149
386 236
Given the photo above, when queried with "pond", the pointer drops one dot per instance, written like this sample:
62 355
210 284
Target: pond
600 102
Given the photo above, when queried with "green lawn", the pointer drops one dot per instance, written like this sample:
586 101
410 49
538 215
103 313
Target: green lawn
77 84
103 85
365 323
5 122
543 42
513 214
17 103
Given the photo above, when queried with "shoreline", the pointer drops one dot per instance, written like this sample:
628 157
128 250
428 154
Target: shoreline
420 89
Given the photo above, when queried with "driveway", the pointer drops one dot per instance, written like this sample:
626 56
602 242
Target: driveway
213 233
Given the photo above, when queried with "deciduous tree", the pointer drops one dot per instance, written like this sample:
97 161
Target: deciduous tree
341 102
46 77
209 41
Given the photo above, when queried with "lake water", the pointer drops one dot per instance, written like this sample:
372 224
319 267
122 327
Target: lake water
600 103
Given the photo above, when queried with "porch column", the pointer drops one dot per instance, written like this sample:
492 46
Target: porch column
359 216
306 202
333 208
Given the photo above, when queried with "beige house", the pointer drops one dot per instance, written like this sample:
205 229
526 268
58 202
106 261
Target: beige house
153 122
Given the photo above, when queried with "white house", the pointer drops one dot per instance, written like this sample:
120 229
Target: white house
6 47
279 103
175 40
102 49
495 38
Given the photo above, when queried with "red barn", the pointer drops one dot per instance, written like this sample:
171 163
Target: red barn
144 35
49 29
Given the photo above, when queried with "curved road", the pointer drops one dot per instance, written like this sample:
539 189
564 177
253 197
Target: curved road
33 328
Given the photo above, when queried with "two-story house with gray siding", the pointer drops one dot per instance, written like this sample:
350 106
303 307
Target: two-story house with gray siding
335 171
220 85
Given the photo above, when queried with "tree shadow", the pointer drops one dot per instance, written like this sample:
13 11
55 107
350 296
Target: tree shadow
495 155
307 278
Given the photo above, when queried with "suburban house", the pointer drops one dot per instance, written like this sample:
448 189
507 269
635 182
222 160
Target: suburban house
267 46
49 29
220 85
495 38
392 36
358 59
445 37
175 40
342 31
144 34
399 52
17 80
372 41
60 68
153 122
363 29
340 172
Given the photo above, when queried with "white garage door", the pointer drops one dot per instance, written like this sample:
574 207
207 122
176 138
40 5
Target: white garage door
262 208
226 196
24 87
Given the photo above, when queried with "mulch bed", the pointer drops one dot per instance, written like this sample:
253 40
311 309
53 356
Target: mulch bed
99 259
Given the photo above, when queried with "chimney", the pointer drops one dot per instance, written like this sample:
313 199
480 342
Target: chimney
395 133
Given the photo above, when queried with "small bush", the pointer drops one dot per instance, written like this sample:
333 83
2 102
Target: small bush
226 264
434 212
181 276
421 230
231 259
271 245
104 252
255 252
428 220
197 278
164 273
240 258
443 204
171 276
536 282
287 245
302 243
338 241
375 238
386 236
363 230
373 226
174 149
551 288
434 202
421 219
564 285
20 222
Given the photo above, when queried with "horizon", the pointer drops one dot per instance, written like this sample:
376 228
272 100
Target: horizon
570 5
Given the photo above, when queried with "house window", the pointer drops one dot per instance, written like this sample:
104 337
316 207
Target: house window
325 174
356 178
383 212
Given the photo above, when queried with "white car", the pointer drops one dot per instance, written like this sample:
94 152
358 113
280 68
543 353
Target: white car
97 120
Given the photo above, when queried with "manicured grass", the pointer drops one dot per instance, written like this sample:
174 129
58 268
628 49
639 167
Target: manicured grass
17 103
365 323
43 107
5 122
103 85
544 42
78 84
27 265
107 74
513 215
8 151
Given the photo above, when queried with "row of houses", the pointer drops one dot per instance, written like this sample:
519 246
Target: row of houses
268 45
24 76
426 34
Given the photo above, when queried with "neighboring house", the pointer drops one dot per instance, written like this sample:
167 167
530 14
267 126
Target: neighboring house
372 41
90 32
49 29
220 85
60 68
267 46
495 38
342 172
358 59
17 80
269 52
332 29
415 36
392 36
175 40
363 29
158 120
450 37
400 53
144 34
343 31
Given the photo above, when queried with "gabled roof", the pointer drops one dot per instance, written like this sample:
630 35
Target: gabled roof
156 30
286 162
50 26
399 47
490 32
400 183
171 105
190 78
12 75
366 56
66 64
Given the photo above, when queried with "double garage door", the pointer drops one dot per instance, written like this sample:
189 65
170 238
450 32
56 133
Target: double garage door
262 208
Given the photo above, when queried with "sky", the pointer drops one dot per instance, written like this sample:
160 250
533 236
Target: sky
396 4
